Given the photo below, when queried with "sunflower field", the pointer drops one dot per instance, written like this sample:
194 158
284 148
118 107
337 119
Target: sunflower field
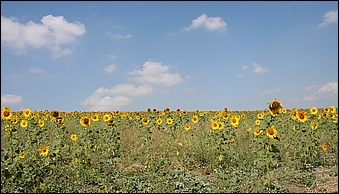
270 150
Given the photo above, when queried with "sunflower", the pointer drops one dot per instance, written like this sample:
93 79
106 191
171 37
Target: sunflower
314 124
260 115
195 119
294 113
95 117
6 113
107 117
221 125
24 123
73 137
43 150
271 132
41 123
145 120
325 146
332 109
257 122
187 127
314 110
225 115
214 125
85 121
275 106
54 114
257 131
302 116
169 121
14 119
22 155
27 112
159 121
234 121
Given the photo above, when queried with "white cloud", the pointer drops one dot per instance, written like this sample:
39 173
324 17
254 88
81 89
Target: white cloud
240 75
156 73
268 92
10 99
328 90
210 23
112 56
104 99
244 67
258 68
54 32
329 17
110 68
118 36
34 70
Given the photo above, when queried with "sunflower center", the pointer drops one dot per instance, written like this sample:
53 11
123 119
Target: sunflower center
270 131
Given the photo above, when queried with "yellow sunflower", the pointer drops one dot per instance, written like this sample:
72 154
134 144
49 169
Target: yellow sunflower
271 132
169 121
187 127
302 116
22 155
85 121
257 122
41 123
257 131
332 109
260 115
314 110
221 125
73 137
234 121
24 123
159 121
314 124
15 119
214 124
6 113
95 117
43 150
27 112
107 117
195 119
325 146
54 114
145 120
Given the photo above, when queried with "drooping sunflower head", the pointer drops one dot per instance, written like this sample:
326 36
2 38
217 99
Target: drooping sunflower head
6 113
271 132
54 114
275 106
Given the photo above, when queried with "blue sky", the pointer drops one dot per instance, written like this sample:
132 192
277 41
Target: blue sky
130 56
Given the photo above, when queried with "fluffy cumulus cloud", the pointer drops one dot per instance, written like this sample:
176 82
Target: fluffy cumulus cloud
156 73
108 99
53 32
10 99
258 69
328 90
329 17
110 68
210 23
